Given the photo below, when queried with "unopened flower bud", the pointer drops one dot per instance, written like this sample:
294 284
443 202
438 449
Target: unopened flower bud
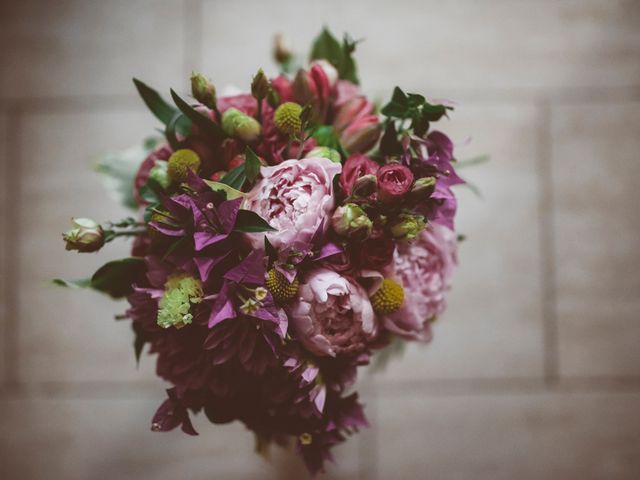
281 52
85 236
362 134
240 125
304 88
422 188
203 90
260 85
407 226
364 186
324 152
351 221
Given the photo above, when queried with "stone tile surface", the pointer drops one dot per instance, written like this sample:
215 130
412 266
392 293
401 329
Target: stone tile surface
543 435
596 167
425 44
493 326
67 334
110 438
73 47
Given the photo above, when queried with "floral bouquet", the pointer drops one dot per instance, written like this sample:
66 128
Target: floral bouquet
283 237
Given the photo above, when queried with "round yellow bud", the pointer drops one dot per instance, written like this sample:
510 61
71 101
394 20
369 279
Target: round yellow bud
180 162
287 118
388 298
280 287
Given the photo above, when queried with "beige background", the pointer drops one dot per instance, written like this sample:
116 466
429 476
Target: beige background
535 369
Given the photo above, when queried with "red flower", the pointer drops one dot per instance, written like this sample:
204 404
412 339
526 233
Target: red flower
355 167
376 251
394 181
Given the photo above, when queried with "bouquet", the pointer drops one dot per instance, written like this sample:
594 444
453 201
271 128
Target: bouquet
282 238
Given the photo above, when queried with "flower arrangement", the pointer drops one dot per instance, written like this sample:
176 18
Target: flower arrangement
283 237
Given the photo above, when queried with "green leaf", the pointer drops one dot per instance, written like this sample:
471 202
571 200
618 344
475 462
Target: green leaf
230 193
152 99
326 136
120 168
81 283
178 124
151 190
251 222
348 69
433 113
252 164
236 177
209 127
116 278
326 47
398 107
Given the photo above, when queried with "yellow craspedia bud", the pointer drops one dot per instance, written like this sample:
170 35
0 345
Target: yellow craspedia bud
388 298
280 287
180 162
287 118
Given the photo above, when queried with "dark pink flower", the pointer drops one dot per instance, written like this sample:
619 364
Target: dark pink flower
355 167
394 182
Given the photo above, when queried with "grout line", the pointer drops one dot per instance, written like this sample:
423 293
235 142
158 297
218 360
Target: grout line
468 96
11 244
370 394
547 246
193 25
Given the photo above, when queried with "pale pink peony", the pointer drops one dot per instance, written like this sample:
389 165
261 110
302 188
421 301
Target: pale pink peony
294 197
333 314
425 268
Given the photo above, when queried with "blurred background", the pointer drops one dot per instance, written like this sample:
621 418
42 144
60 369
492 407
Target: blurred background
535 368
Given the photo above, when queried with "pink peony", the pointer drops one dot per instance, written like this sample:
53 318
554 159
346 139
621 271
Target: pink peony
333 314
294 197
425 268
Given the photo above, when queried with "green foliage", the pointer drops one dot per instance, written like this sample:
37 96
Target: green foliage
415 107
81 283
251 222
327 47
209 128
120 168
236 177
326 136
113 278
252 164
229 193
152 99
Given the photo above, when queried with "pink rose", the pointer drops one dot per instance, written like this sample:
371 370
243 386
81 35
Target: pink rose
333 314
294 197
355 167
394 181
424 267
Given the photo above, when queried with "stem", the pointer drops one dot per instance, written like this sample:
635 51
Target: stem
259 112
